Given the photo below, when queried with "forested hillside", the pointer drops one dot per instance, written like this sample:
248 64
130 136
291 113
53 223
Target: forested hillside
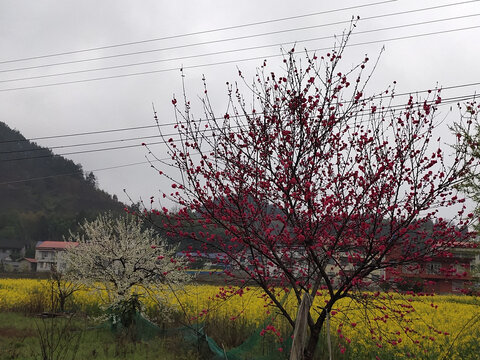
42 195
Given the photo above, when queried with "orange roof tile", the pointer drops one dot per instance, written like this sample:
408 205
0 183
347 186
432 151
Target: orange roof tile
56 245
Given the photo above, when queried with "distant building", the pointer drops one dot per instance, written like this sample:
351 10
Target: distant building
27 265
11 249
49 253
451 273
22 265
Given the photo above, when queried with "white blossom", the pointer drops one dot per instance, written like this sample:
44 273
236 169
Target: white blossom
122 257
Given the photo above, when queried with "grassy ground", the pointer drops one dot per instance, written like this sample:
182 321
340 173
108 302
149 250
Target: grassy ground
27 337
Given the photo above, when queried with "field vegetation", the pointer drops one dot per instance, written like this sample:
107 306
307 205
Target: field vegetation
403 326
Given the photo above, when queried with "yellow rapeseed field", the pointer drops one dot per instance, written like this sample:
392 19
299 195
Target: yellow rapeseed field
391 327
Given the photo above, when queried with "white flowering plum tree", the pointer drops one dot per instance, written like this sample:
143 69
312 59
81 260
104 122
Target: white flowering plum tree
122 257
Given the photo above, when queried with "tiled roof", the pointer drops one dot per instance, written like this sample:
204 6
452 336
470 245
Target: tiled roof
55 245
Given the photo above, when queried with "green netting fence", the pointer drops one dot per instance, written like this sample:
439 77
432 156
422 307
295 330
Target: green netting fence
257 346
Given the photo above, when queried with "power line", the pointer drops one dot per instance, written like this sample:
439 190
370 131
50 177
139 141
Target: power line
76 172
236 38
111 167
81 144
229 51
232 61
169 48
444 88
204 31
80 152
445 101
86 133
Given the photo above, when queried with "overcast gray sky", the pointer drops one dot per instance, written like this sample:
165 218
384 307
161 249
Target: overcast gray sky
38 106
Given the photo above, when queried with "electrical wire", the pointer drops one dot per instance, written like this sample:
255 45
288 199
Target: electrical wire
231 51
80 152
205 31
231 61
152 126
127 165
77 172
86 133
445 101
236 38
443 88
81 144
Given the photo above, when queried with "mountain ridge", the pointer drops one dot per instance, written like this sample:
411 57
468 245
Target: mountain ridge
43 195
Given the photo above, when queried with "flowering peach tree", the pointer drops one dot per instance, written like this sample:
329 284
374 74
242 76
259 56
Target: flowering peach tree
313 185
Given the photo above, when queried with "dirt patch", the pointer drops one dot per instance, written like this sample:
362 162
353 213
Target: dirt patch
11 333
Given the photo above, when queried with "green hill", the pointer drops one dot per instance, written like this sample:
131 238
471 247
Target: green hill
35 203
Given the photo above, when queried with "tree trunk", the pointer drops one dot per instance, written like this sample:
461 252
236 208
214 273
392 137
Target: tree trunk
312 343
62 299
300 332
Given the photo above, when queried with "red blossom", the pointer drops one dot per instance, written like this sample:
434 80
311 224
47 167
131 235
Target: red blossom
316 188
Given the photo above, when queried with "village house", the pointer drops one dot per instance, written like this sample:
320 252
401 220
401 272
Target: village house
11 250
49 254
10 253
22 265
27 264
453 272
